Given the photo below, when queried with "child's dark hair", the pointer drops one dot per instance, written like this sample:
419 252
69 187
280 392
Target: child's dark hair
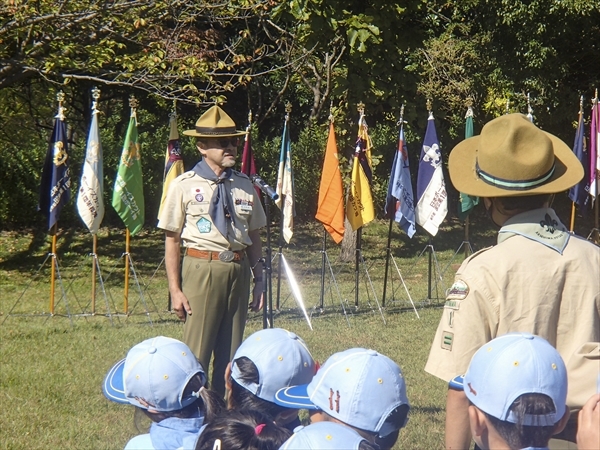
209 404
242 398
397 419
523 202
517 435
243 429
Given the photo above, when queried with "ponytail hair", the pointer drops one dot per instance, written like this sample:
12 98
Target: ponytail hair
245 429
208 403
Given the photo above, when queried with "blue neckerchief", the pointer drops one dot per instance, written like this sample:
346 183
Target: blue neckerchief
221 208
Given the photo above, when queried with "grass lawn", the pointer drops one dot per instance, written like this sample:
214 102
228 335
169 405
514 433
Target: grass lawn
51 368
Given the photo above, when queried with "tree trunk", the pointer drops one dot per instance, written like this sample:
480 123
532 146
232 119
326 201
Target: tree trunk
348 247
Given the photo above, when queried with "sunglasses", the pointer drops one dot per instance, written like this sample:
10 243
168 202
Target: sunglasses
226 142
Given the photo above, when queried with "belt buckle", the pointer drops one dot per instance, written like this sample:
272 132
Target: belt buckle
226 256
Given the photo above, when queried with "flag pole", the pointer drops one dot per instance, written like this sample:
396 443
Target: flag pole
356 265
126 292
387 260
596 201
323 253
94 247
572 225
53 271
389 240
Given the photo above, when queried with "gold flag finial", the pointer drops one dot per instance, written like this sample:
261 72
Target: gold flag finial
360 107
96 97
60 97
133 102
428 104
401 119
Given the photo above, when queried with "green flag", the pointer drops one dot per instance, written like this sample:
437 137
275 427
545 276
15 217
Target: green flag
128 195
467 202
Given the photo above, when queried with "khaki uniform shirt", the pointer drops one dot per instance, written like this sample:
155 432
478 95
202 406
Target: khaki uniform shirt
185 211
523 284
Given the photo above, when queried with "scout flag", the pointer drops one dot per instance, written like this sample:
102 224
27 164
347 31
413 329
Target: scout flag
400 203
55 189
173 160
579 193
432 203
285 184
330 209
359 207
90 198
128 195
466 202
594 175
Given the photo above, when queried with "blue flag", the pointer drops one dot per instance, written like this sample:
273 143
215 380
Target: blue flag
55 189
432 203
580 192
400 203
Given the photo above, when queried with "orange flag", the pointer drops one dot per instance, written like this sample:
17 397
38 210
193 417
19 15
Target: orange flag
330 211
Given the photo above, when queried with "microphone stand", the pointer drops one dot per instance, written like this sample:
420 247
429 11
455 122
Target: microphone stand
267 270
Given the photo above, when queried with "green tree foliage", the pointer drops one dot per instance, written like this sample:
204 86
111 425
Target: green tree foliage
259 54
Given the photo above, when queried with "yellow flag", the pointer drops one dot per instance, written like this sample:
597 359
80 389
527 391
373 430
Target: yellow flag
359 207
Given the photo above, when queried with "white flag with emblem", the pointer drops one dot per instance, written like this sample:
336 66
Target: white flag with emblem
90 203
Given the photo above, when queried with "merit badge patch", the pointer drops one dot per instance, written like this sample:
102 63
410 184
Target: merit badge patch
204 225
458 291
199 197
447 339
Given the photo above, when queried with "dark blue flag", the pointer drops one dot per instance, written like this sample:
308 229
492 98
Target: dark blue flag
400 203
580 192
55 189
432 201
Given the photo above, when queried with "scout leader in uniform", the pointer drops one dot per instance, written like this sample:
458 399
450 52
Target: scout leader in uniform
538 279
215 213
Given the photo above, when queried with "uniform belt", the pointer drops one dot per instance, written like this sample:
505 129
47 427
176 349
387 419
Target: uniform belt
225 256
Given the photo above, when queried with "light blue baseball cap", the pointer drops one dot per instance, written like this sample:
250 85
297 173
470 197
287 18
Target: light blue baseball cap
154 375
512 365
281 357
323 436
359 387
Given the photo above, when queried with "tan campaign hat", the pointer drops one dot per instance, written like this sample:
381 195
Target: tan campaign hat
512 157
214 123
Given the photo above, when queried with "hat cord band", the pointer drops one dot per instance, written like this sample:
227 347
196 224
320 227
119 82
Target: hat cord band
513 185
215 131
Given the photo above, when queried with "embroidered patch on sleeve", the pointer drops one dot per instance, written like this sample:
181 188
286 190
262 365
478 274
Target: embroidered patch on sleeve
458 291
204 225
447 339
452 304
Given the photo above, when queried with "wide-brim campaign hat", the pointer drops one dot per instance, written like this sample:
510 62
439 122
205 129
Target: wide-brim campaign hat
155 375
512 157
215 123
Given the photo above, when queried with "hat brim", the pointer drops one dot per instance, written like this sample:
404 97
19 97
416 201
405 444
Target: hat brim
294 397
113 387
457 383
194 133
462 163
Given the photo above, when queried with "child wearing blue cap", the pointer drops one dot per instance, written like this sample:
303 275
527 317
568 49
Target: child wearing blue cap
267 361
248 430
162 377
326 436
517 388
359 388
